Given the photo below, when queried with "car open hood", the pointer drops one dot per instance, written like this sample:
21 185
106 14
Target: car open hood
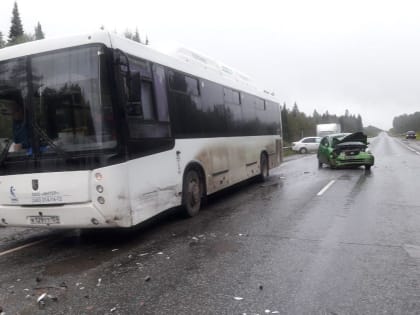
355 137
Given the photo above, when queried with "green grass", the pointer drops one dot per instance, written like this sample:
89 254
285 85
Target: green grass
288 152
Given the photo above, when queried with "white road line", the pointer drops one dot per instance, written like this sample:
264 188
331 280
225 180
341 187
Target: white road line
326 188
22 247
410 148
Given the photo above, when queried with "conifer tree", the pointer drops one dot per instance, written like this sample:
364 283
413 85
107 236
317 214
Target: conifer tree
2 42
39 34
16 29
136 36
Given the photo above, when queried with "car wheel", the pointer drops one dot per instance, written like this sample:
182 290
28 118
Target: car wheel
367 167
192 193
263 168
303 150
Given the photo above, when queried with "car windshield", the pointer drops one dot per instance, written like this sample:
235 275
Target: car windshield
62 102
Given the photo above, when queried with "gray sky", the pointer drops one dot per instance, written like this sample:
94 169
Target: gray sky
325 55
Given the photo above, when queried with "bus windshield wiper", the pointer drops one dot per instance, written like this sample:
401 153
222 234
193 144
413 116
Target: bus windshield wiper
47 139
5 151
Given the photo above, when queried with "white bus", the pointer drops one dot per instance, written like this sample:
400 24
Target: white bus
101 131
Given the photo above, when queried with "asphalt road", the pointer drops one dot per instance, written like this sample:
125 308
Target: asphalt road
287 246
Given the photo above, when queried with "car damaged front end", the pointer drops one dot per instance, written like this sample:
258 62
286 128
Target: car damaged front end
351 154
345 150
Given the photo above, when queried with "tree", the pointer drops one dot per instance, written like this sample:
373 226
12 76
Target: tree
16 29
39 34
136 36
2 42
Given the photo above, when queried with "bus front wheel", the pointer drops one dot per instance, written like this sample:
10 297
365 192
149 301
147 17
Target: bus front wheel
191 193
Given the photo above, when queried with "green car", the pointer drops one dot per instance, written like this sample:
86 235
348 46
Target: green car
345 150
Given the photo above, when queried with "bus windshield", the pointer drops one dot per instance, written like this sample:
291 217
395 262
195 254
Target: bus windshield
64 102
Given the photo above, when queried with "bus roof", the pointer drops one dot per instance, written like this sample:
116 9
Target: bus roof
179 58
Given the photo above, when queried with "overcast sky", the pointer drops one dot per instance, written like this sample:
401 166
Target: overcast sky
363 56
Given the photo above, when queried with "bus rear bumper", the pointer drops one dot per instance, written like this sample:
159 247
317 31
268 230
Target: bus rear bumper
84 215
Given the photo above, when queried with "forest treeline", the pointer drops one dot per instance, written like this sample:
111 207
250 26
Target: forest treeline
406 122
297 124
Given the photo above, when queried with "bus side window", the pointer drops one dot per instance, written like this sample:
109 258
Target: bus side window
147 104
160 92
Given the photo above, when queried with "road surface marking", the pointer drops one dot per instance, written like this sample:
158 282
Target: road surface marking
410 148
326 188
22 247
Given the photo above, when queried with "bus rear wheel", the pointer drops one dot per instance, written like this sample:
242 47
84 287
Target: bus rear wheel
263 167
192 193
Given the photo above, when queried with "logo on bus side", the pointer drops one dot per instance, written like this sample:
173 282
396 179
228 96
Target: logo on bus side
13 197
35 184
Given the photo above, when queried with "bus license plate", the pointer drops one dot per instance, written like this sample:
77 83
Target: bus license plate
47 220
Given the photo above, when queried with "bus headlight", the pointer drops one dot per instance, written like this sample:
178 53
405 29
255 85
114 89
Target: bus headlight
101 200
100 189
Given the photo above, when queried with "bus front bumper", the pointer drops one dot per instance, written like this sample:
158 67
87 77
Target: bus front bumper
84 215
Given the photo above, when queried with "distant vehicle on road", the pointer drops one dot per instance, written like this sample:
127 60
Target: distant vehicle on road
323 130
118 132
305 145
410 135
345 150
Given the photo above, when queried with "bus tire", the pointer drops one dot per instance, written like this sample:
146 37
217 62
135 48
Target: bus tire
192 193
263 167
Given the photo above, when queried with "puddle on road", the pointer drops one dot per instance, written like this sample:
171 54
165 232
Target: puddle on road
412 250
70 265
345 177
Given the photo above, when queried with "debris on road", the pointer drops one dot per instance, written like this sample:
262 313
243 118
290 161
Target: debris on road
41 297
160 253
114 250
63 285
238 298
38 279
260 287
99 282
143 254
267 311
112 310
147 278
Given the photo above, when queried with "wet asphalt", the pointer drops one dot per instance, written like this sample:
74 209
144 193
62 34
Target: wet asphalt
259 248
